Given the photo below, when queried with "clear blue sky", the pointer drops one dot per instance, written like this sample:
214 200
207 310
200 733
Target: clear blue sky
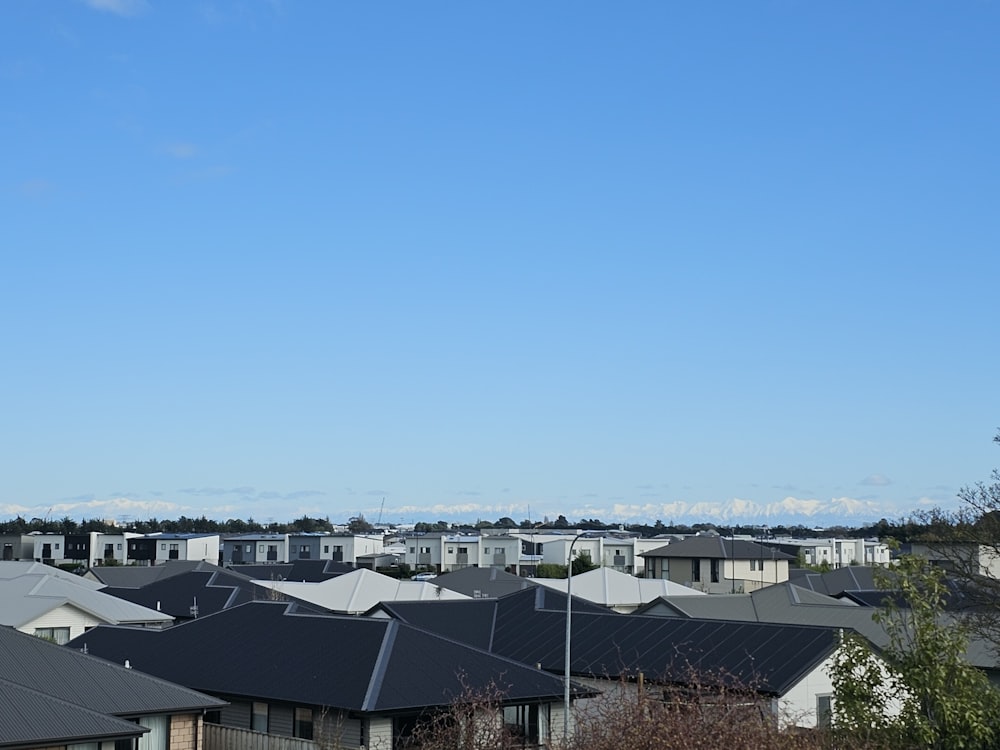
626 261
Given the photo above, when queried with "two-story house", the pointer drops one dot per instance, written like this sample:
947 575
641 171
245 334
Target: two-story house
344 548
718 565
155 549
255 549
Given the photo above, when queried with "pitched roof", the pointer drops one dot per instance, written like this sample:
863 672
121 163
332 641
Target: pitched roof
718 547
359 591
612 588
28 597
837 581
16 568
781 603
32 719
137 576
770 658
483 582
273 651
210 591
95 684
300 570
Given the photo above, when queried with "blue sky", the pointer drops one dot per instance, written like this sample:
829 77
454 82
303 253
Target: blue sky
628 261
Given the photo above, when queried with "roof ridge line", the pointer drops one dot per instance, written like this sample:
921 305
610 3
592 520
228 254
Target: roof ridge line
381 664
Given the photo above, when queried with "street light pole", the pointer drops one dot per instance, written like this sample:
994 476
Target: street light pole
569 633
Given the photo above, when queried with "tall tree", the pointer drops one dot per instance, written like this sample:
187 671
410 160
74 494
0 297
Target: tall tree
923 692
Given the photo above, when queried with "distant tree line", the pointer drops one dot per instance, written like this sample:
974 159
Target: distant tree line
902 531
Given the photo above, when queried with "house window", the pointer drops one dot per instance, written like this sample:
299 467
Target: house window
249 548
824 710
56 635
425 550
463 550
119 546
413 550
715 571
158 736
486 550
260 548
326 549
303 723
695 570
451 550
753 565
163 547
57 545
258 717
524 723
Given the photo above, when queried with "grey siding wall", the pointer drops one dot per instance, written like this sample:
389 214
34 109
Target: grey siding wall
236 715
280 719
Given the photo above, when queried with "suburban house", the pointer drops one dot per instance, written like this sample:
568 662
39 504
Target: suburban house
355 592
342 548
60 699
348 682
156 549
49 548
784 665
251 549
833 553
618 550
43 601
718 565
95 548
966 558
17 547
263 548
440 552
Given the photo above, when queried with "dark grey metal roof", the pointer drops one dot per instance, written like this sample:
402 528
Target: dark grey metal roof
483 582
719 547
93 683
835 582
272 651
29 718
769 657
310 571
211 591
137 576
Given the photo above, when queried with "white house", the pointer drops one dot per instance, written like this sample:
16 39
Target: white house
61 606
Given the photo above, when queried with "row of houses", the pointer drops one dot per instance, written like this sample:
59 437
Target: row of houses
100 549
728 564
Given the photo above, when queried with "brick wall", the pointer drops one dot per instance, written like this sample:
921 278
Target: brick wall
186 732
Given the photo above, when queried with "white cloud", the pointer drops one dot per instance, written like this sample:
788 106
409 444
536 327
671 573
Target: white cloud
119 7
